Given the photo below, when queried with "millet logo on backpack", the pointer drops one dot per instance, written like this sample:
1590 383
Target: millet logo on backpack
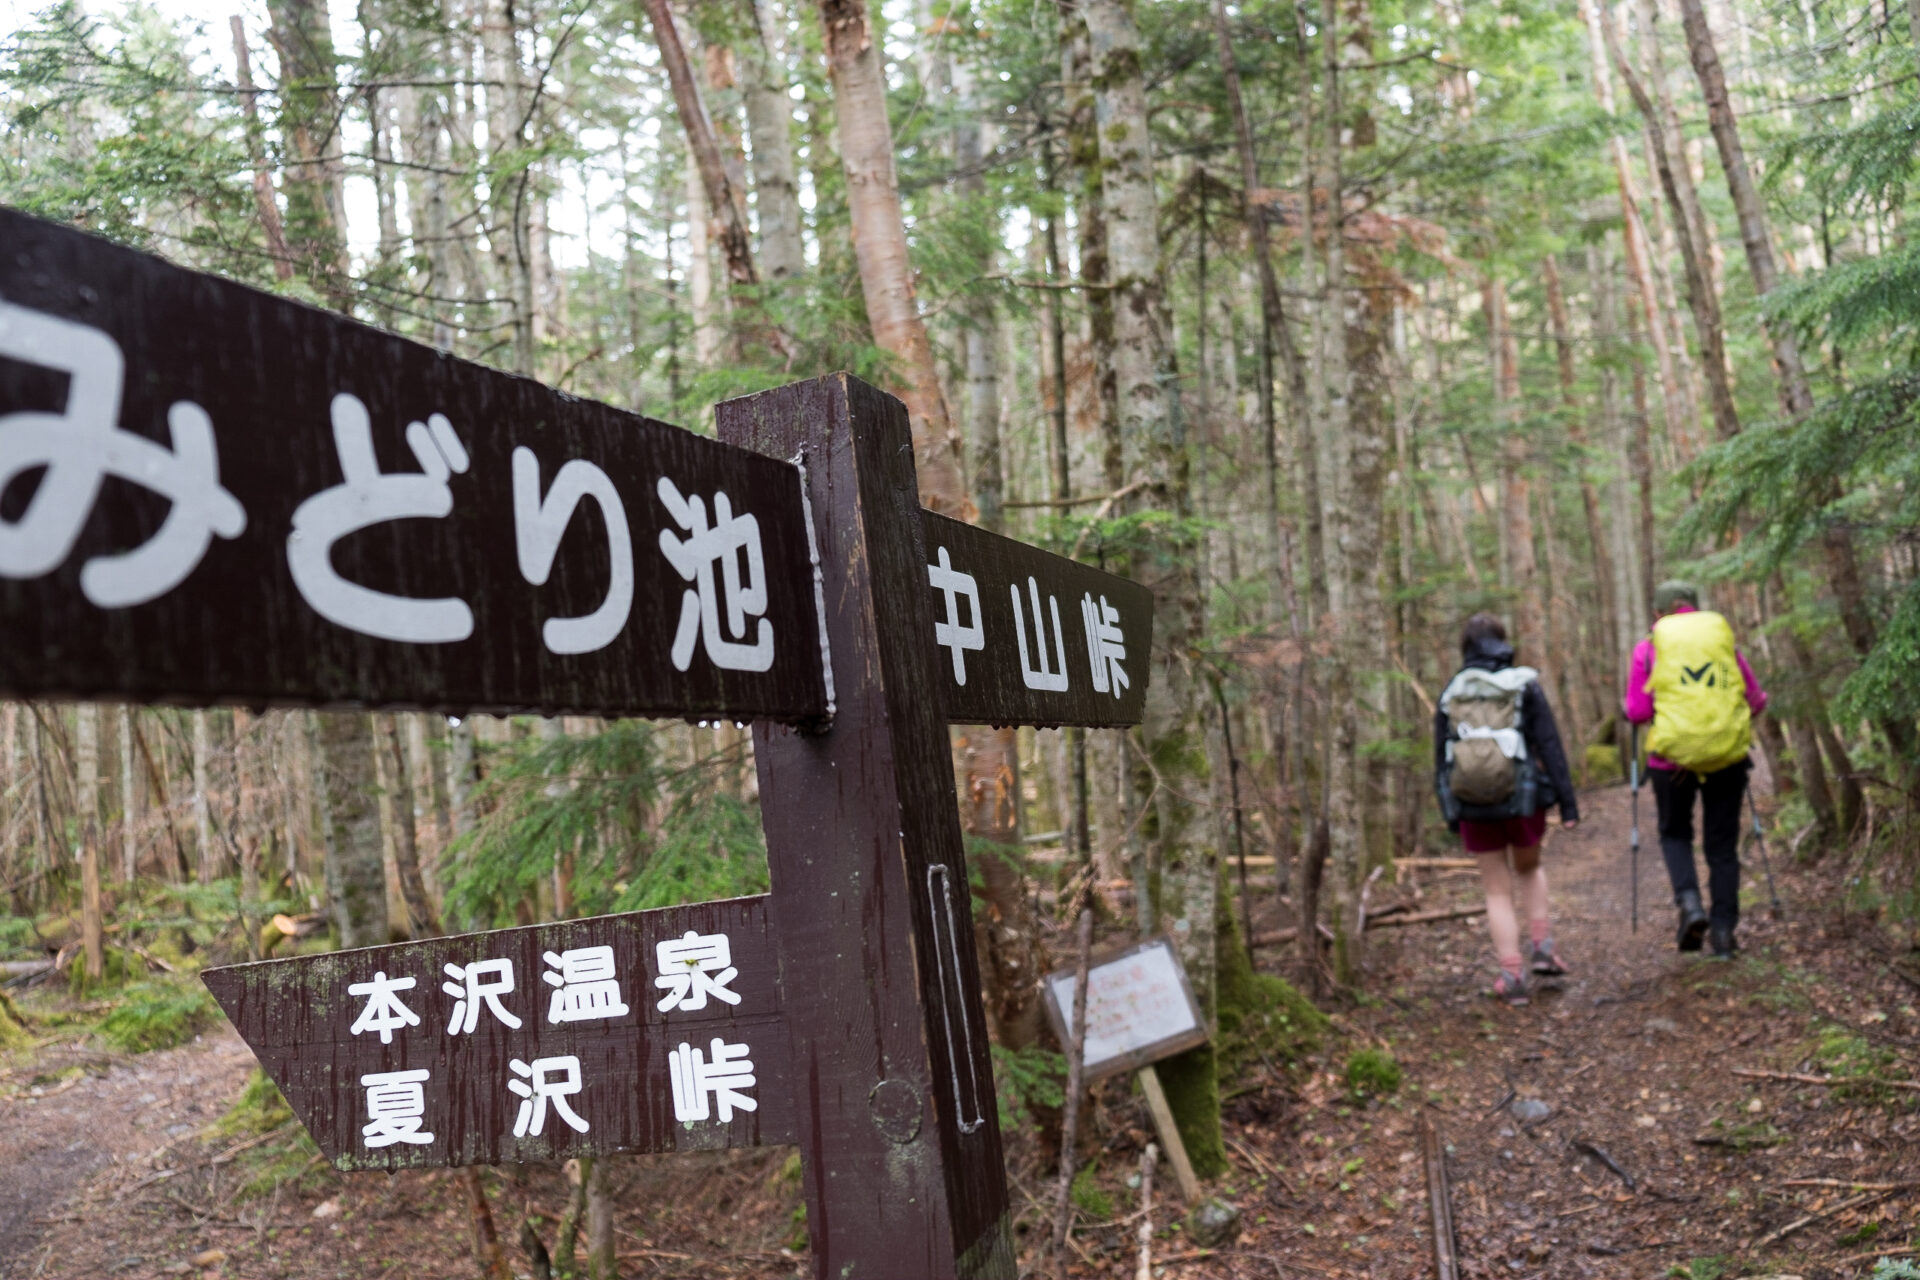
1696 675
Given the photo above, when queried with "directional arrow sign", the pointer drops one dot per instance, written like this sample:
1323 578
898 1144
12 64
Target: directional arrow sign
1029 637
651 1031
246 499
219 495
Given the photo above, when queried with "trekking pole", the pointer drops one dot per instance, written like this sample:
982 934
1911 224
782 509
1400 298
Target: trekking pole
1760 838
1633 774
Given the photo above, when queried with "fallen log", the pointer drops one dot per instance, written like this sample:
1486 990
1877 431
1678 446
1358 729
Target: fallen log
23 968
1830 1082
1425 917
1857 1202
1390 918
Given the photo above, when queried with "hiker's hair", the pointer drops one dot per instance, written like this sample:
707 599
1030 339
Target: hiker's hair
1481 626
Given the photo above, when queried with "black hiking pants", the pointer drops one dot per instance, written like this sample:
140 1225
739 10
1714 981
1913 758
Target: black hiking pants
1720 795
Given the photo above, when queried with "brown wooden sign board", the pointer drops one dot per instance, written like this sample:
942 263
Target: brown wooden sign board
210 494
1028 637
1140 1008
649 1031
356 519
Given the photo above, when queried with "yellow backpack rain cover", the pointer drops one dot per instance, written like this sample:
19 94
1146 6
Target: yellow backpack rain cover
1700 716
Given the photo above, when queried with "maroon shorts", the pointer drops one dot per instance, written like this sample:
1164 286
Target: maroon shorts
1494 837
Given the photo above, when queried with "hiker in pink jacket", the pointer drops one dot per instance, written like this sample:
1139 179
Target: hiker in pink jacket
1674 787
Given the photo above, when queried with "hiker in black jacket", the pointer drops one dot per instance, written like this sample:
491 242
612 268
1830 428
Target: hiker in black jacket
1498 766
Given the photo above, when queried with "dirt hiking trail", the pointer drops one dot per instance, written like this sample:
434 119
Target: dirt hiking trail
1633 1054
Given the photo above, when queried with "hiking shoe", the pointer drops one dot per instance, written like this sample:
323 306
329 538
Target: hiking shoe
1511 987
1693 921
1546 959
1722 940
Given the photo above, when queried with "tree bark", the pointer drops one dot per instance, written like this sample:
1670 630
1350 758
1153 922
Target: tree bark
510 209
1634 231
87 776
1083 149
396 780
880 247
602 1262
208 857
1604 602
316 221
769 112
1275 330
1691 229
725 205
355 867
1516 504
264 204
1151 422
129 795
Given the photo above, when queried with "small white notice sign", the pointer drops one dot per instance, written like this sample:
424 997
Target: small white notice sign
1139 1009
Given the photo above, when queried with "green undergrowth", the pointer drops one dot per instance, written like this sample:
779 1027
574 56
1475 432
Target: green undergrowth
1747 1135
281 1155
1089 1196
1372 1073
1840 1051
1710 1268
1260 1020
157 1015
1024 1079
15 1031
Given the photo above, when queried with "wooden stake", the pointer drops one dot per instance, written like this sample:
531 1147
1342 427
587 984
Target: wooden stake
1144 1232
1169 1133
1076 1066
1446 1264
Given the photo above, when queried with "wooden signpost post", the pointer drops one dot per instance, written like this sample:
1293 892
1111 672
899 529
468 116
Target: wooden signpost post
212 495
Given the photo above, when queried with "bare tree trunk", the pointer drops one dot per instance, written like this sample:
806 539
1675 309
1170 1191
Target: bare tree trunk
1180 844
1083 149
1639 249
1640 463
511 212
724 204
87 771
880 245
602 1263
1690 226
396 780
263 197
1275 330
769 113
208 857
129 795
1516 505
356 869
1606 334
316 219
1604 602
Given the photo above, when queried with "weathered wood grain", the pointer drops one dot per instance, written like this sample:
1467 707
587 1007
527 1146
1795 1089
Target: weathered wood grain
237 630
893 1088
296 1015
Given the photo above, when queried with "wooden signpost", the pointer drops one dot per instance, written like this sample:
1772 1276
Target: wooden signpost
212 495
1140 1009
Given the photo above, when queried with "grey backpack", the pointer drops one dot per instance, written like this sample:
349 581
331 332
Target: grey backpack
1486 749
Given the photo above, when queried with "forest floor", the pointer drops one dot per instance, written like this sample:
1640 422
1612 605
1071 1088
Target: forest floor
115 1167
